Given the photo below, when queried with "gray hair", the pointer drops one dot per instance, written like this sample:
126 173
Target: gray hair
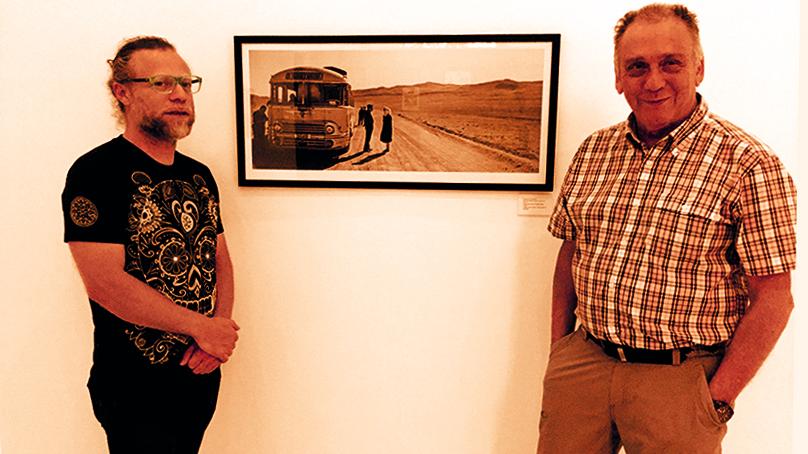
657 12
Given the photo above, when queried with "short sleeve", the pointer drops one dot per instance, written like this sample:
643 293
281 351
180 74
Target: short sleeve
88 206
561 225
767 211
217 202
207 184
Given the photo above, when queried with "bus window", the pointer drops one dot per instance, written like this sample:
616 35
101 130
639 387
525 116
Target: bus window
315 97
282 94
307 94
333 94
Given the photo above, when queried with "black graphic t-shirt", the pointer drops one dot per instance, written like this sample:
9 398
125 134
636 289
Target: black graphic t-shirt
167 218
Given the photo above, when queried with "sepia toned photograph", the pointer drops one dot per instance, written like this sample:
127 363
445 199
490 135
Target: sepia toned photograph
453 112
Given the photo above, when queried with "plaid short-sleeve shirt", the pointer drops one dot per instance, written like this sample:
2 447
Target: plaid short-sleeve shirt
665 236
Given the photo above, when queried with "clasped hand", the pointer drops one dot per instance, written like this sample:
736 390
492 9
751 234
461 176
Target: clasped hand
214 343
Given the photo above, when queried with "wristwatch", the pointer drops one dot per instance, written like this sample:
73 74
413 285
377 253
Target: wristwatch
724 411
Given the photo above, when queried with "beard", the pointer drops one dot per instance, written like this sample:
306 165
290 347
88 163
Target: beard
163 131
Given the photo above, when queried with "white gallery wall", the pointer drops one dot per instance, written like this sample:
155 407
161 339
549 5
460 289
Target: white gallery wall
373 321
799 285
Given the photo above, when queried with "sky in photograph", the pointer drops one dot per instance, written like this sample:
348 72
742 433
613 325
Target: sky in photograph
388 65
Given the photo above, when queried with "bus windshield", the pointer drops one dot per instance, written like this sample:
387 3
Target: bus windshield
307 94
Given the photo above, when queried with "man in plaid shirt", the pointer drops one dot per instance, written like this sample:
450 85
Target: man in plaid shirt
679 241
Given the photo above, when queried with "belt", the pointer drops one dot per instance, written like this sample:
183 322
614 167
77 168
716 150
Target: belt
672 357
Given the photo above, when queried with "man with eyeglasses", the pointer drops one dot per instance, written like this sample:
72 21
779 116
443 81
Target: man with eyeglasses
143 224
679 240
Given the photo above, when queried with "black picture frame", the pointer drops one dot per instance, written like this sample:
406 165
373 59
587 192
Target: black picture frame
468 111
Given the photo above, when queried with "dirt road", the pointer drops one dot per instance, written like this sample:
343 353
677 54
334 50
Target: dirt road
415 147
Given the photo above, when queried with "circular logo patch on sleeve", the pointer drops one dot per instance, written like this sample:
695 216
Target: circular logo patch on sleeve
83 212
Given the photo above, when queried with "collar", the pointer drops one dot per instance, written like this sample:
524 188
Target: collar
674 137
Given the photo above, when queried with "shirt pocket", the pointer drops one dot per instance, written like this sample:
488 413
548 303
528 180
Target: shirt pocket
690 226
707 206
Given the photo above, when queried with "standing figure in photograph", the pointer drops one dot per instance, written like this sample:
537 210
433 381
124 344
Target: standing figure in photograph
143 224
259 127
679 240
386 134
368 123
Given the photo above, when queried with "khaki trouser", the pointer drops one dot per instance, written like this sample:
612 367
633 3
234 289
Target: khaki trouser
594 404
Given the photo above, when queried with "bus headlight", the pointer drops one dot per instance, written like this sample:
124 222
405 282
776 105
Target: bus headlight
330 129
277 127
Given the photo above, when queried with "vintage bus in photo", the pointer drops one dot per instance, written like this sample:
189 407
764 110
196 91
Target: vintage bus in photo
311 109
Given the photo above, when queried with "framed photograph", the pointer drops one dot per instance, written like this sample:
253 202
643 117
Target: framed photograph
402 111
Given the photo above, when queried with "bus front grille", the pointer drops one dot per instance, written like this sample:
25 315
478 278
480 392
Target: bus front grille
303 128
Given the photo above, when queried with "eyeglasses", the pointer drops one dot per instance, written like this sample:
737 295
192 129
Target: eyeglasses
163 83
